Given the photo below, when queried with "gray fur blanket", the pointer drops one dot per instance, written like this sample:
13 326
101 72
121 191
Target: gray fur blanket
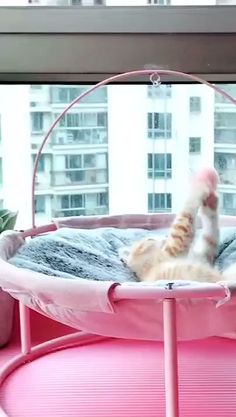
93 254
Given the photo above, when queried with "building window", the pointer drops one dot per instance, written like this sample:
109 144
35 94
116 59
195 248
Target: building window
37 122
195 145
83 161
40 204
159 2
41 163
162 91
225 127
228 88
84 120
73 161
65 95
159 202
225 119
83 204
159 165
159 125
82 169
225 164
228 204
195 104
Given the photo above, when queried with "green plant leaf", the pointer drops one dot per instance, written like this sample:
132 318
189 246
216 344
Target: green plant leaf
1 225
7 220
4 212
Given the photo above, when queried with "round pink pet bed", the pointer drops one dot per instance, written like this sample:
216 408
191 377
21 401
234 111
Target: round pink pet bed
74 376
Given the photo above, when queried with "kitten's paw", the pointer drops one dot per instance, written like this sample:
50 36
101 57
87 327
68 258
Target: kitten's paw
123 253
208 177
210 204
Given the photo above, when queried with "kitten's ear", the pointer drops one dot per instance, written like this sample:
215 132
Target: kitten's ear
124 253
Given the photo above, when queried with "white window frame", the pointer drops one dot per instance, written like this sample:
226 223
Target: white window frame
91 43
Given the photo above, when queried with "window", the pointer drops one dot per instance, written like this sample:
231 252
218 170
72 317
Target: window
37 122
225 119
225 163
225 127
194 145
83 161
228 88
159 125
72 201
40 204
159 165
41 163
82 204
159 202
65 95
195 104
82 169
161 91
84 120
73 161
102 199
228 204
159 2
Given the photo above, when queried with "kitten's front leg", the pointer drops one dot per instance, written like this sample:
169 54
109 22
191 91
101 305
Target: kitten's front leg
183 229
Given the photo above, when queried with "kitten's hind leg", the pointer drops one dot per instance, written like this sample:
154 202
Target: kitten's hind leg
183 229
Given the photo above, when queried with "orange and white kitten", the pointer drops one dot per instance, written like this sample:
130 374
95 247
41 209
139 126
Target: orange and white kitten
180 256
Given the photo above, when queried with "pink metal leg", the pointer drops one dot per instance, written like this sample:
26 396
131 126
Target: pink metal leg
170 353
25 332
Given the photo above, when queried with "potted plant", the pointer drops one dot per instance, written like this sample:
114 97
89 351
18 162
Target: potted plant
7 222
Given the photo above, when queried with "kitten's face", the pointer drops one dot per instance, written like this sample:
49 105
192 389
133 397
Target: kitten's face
142 255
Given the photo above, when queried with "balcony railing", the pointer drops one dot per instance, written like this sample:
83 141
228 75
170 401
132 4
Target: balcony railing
77 136
159 174
225 136
79 177
159 133
80 211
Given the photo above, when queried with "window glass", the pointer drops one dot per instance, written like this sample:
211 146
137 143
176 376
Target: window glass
131 152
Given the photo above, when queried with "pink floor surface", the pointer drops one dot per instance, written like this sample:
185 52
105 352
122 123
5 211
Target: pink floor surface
119 378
